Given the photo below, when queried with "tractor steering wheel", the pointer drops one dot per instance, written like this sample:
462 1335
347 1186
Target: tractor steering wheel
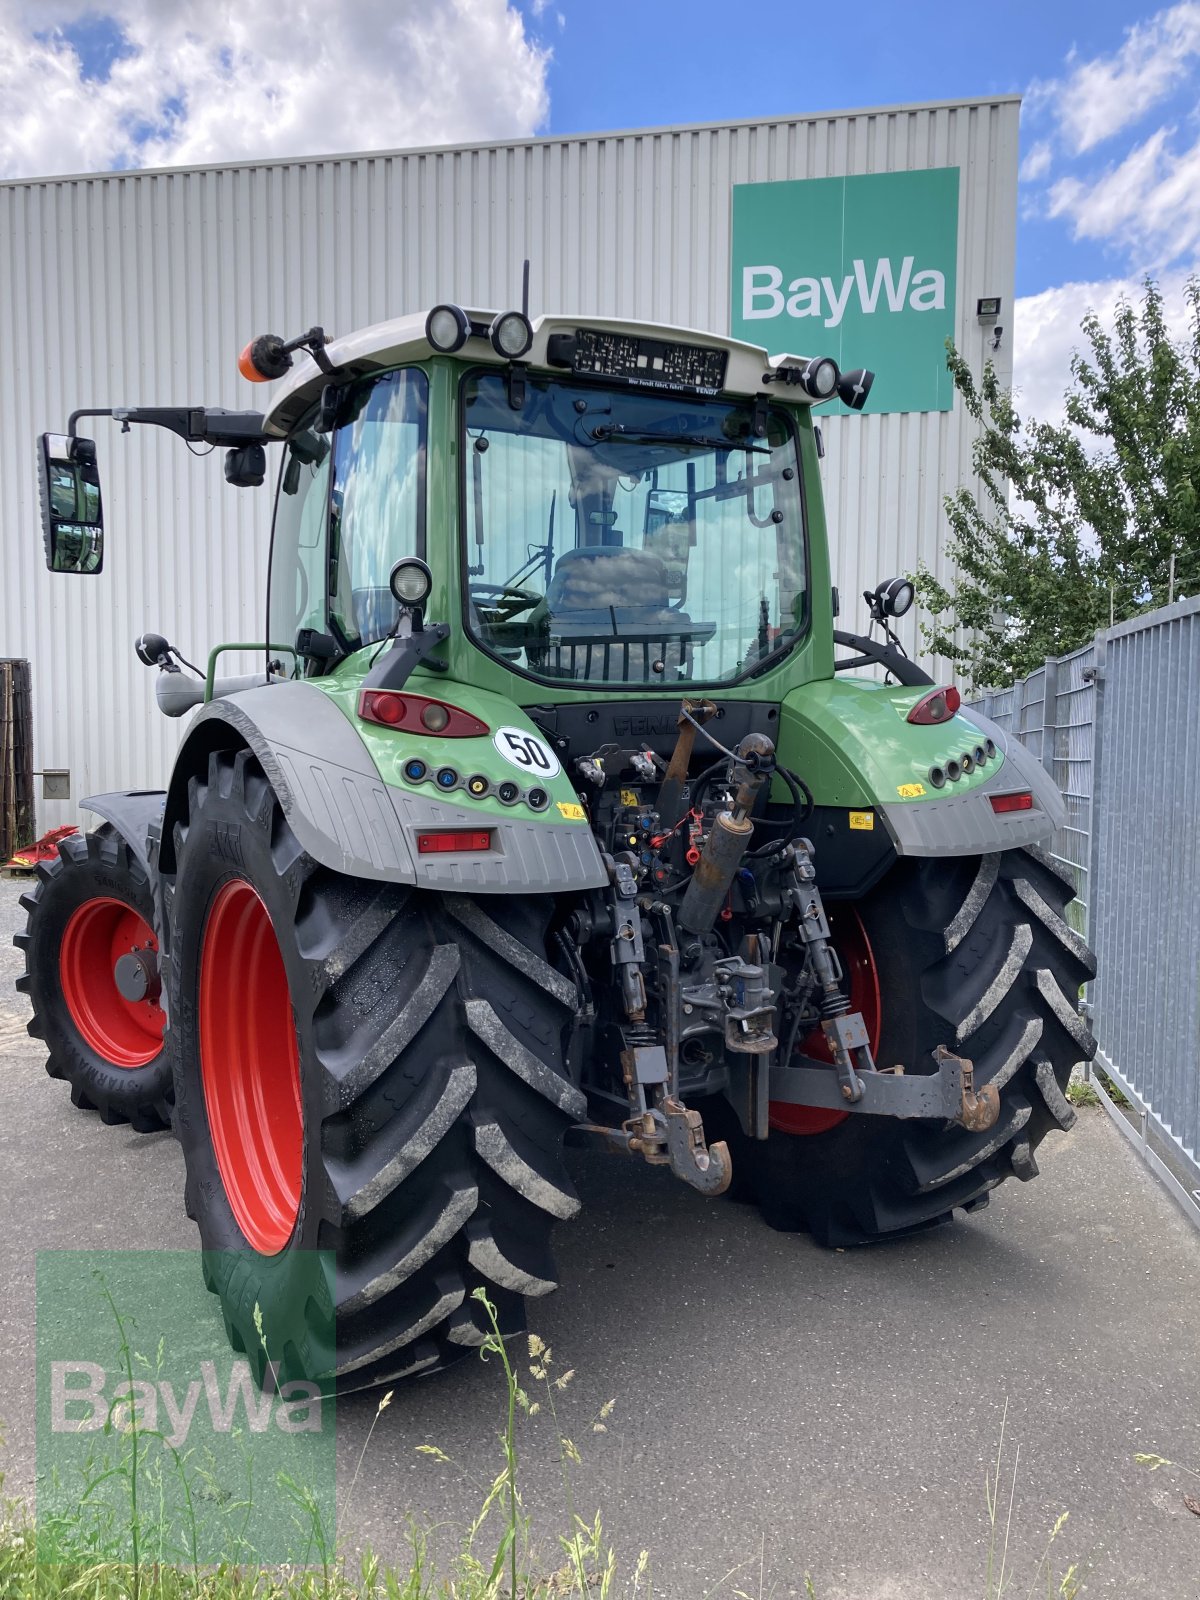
510 599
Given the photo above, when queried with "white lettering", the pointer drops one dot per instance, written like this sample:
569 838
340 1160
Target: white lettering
300 1407
883 278
135 1405
258 1415
61 1396
180 1417
753 291
931 293
805 298
837 303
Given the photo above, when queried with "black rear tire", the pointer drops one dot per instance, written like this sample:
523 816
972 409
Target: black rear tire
430 1033
974 954
91 869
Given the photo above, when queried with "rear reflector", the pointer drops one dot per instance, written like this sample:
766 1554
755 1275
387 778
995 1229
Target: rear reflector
1012 802
447 841
939 705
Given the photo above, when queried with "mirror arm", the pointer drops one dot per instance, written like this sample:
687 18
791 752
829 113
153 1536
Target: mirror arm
876 654
73 419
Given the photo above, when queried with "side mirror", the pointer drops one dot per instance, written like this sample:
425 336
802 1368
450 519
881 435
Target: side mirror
72 515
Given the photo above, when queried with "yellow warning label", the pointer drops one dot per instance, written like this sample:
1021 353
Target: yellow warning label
628 797
864 821
572 811
910 791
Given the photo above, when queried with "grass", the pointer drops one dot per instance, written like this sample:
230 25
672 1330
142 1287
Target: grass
80 1558
495 1557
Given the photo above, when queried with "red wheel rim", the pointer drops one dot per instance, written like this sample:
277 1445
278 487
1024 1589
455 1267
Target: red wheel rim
850 940
127 1033
250 1067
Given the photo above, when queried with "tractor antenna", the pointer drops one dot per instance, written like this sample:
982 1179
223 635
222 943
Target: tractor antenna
525 289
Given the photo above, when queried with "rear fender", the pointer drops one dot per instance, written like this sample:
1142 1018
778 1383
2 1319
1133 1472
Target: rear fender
850 740
347 818
133 813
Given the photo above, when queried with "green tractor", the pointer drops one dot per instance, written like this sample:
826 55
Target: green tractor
548 815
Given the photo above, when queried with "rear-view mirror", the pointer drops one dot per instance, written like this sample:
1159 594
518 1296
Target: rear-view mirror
72 514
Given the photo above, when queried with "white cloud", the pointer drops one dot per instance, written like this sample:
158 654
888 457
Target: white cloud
1148 205
218 80
1047 333
1037 163
1098 98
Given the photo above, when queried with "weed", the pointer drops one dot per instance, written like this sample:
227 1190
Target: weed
1081 1093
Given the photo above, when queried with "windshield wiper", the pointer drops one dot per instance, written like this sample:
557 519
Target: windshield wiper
615 430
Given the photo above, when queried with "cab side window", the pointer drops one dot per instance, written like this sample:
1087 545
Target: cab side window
296 586
377 500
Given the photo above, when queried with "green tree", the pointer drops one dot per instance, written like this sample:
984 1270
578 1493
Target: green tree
1079 518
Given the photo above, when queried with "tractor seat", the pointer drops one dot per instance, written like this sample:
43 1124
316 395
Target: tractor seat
599 576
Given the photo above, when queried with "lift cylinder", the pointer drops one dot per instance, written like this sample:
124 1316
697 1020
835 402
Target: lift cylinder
723 852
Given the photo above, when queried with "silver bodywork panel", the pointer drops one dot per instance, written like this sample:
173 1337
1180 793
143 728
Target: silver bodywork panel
347 818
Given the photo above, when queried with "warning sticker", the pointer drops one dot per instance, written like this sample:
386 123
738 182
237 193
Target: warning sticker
572 810
862 821
910 791
629 797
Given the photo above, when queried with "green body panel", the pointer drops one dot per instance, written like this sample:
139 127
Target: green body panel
849 739
390 748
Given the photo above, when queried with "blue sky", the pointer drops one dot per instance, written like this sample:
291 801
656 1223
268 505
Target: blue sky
1110 132
635 63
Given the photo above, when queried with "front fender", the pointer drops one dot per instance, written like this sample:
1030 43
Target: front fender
347 818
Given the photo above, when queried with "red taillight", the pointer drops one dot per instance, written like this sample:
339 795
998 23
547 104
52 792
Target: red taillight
939 705
448 840
417 713
1012 802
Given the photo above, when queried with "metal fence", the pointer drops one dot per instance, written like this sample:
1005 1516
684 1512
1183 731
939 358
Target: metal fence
1118 725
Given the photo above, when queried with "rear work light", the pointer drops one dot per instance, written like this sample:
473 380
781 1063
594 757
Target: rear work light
939 705
1023 801
448 841
416 713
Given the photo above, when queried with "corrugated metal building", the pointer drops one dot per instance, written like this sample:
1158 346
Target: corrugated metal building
141 287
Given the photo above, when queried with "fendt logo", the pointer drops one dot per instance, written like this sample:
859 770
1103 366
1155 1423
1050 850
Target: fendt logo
860 268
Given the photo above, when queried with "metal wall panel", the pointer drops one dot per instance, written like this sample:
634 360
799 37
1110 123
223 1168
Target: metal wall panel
1146 870
140 288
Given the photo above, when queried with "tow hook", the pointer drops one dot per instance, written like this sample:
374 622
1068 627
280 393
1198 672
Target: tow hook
668 1134
980 1109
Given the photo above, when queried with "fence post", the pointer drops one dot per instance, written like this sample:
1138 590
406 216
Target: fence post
1099 665
1049 712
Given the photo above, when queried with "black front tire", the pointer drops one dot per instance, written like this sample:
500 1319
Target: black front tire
430 1033
92 869
975 954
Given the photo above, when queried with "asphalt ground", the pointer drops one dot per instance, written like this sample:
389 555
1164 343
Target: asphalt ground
779 1409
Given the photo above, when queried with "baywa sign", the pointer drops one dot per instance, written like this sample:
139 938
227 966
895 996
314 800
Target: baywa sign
861 269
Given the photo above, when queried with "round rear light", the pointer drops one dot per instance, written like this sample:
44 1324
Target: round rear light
386 708
435 717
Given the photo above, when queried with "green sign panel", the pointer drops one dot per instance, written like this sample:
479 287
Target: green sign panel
861 269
